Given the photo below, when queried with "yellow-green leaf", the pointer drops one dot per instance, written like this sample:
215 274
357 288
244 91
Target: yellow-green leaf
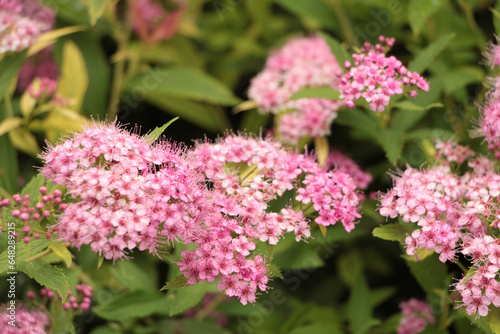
178 282
50 38
24 141
62 252
246 105
96 9
323 230
10 124
27 101
74 78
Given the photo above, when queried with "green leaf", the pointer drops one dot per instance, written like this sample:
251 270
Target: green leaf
73 81
9 124
315 10
317 329
133 277
99 73
338 51
420 10
96 9
9 169
494 319
461 77
360 121
9 67
200 114
153 135
391 232
359 311
297 257
179 281
23 252
182 82
274 271
496 18
392 141
431 274
425 57
106 330
32 188
135 304
62 252
182 299
253 121
316 93
47 275
419 134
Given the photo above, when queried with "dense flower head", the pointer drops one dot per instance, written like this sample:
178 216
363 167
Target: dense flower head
155 20
416 315
492 54
121 200
452 151
22 22
489 120
302 62
376 77
340 161
26 321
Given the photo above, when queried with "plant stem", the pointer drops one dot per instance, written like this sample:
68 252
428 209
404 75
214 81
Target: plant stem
39 255
344 22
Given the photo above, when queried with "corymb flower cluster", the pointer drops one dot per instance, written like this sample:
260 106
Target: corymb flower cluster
131 194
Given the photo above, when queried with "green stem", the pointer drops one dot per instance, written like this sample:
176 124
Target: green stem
39 255
204 312
344 22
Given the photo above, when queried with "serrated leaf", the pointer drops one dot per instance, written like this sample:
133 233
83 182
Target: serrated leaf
47 275
340 54
9 67
420 10
419 255
182 82
425 57
274 271
179 281
62 252
153 135
391 232
316 93
73 81
10 124
23 252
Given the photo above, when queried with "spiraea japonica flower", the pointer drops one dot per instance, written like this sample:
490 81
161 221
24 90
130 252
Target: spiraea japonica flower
302 62
376 77
340 161
22 22
24 320
121 200
416 315
454 213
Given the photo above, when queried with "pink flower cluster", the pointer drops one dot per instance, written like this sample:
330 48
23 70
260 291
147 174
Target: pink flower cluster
375 77
489 121
453 214
26 321
340 161
22 22
302 62
132 194
155 20
416 315
121 202
480 287
451 151
41 65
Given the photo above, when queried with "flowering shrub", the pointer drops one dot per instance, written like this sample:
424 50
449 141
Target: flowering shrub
355 191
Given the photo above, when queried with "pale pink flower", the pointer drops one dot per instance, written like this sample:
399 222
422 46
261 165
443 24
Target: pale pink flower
416 315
